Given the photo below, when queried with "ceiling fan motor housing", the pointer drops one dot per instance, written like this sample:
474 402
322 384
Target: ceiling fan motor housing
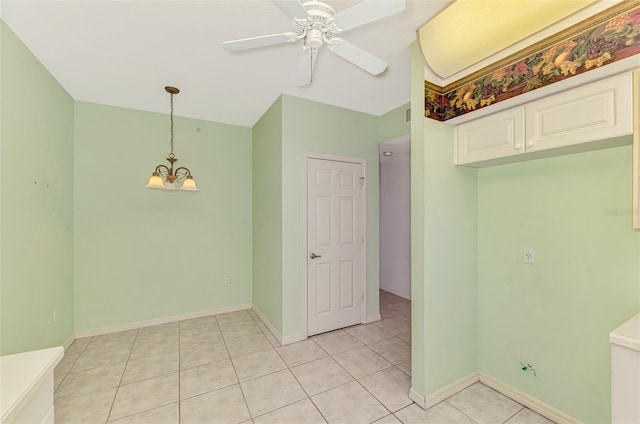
315 38
316 28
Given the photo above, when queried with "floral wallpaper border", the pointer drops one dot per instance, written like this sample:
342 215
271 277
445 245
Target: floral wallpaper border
613 40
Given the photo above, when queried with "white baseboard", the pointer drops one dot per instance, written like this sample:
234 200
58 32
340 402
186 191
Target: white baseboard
293 338
426 402
68 342
404 296
417 398
282 340
450 390
529 401
266 322
374 317
157 321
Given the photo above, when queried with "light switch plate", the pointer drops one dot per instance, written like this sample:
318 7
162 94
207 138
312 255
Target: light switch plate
528 255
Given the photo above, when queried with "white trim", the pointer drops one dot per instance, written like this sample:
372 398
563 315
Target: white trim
374 317
417 398
450 390
282 340
335 158
426 402
293 338
68 342
527 400
305 277
157 321
49 417
266 322
394 292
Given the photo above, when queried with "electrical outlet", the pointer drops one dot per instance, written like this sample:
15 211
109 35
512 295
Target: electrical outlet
229 281
528 255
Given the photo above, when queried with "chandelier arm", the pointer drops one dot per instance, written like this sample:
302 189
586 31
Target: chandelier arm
162 169
180 176
185 169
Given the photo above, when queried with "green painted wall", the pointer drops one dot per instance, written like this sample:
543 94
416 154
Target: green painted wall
557 313
142 254
36 194
320 128
267 215
391 125
418 382
450 261
444 266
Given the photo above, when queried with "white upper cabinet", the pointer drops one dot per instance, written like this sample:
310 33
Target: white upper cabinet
494 136
594 116
596 111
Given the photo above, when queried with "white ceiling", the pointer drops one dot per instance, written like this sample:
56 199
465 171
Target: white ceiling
123 53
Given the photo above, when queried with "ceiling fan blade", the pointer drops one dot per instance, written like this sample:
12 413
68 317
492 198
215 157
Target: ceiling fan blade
262 41
357 56
307 62
294 8
367 11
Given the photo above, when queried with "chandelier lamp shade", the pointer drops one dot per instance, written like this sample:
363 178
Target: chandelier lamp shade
165 177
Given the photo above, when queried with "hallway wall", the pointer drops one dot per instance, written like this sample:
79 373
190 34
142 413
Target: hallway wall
395 216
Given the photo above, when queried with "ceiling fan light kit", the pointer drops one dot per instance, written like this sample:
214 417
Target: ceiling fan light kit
316 23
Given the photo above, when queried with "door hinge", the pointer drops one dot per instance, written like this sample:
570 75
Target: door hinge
363 297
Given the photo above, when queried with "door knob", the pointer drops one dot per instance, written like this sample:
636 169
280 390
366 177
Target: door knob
313 256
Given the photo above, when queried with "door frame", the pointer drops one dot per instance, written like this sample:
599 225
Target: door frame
305 228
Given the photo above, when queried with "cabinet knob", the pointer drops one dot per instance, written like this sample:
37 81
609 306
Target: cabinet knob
517 146
529 143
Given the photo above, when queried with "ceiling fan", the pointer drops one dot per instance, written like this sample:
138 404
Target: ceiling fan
316 23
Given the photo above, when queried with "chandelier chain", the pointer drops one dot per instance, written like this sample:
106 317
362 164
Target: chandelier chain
171 155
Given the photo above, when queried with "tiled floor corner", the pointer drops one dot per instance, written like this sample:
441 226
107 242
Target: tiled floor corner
229 369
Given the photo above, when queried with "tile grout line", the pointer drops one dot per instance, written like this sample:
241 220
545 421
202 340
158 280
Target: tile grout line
244 397
179 374
64 377
113 402
522 407
457 409
298 381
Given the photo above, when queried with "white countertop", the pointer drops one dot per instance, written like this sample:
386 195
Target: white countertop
21 374
628 334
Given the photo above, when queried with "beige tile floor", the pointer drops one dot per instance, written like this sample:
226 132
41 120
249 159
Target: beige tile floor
230 369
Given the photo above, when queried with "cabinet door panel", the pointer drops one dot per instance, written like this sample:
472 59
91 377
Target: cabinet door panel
589 113
494 136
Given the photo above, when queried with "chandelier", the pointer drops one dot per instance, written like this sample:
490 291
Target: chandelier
165 177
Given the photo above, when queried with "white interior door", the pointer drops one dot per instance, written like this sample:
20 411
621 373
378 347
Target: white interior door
335 245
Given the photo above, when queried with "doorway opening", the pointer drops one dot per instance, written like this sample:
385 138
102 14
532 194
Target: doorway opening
395 217
395 238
